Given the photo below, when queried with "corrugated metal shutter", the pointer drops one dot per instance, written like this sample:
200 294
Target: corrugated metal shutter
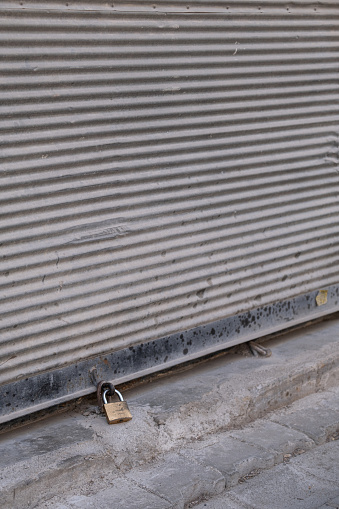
162 167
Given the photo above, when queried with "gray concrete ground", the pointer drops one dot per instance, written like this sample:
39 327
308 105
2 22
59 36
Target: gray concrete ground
234 432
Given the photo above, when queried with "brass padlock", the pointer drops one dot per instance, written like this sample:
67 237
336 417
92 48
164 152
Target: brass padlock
118 411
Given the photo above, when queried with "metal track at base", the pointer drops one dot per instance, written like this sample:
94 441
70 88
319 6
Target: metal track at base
28 395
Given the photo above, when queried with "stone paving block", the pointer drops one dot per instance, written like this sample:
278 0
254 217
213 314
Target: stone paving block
322 462
179 480
124 494
233 458
284 488
331 398
274 437
317 422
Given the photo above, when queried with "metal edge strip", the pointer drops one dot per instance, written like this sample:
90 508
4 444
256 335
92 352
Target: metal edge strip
32 394
257 8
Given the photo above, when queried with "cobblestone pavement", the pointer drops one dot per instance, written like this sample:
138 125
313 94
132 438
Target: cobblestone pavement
308 481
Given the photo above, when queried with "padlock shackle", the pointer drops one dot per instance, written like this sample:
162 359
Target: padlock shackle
104 399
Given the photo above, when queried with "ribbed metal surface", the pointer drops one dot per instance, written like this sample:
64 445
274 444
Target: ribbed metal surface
160 171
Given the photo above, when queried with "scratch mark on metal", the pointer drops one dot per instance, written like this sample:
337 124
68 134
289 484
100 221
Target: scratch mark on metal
9 358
